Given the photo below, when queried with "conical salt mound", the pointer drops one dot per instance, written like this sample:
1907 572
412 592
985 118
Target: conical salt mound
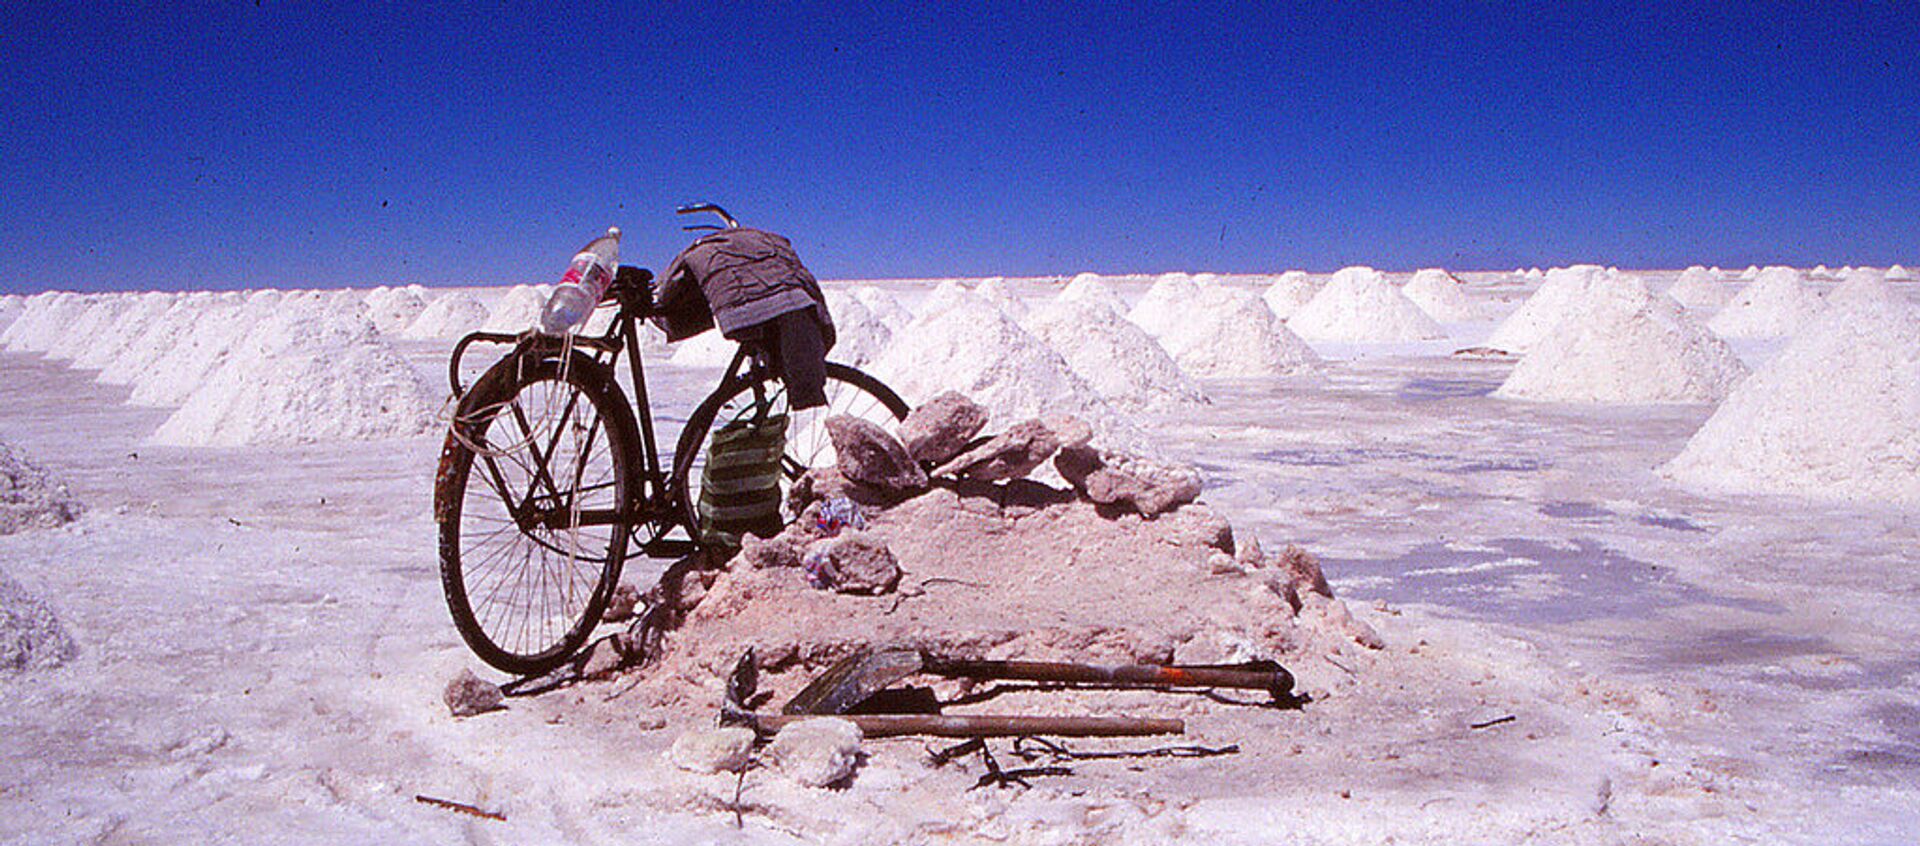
1898 273
1624 344
1700 288
109 339
995 289
392 310
1359 305
306 373
1752 272
215 327
1831 416
946 295
30 497
1442 296
1228 333
516 311
1777 302
1165 303
1290 293
1864 287
1088 286
451 316
859 336
975 348
1120 360
11 305
103 318
886 307
1562 292
45 320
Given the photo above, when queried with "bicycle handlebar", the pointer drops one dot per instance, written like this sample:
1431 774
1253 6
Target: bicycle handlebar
696 208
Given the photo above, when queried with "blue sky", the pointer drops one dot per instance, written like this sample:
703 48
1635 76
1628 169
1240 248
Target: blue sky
237 145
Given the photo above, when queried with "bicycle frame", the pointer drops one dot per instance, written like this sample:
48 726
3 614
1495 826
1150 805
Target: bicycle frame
653 505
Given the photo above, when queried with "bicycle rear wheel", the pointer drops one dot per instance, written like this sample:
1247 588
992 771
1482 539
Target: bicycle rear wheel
534 508
759 393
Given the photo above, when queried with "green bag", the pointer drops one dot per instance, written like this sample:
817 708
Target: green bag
740 485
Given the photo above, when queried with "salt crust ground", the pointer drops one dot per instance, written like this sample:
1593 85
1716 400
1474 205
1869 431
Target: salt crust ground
293 694
1625 344
1359 305
1832 416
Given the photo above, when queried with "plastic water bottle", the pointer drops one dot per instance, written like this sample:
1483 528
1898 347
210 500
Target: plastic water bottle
583 286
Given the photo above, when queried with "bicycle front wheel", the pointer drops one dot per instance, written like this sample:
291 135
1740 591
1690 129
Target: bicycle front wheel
534 508
760 394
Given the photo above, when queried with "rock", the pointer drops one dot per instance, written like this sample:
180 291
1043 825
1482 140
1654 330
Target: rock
1248 554
1222 564
1071 431
1195 524
781 550
853 562
941 427
1009 455
870 456
713 750
816 753
1128 481
603 658
469 694
1336 617
1299 572
620 608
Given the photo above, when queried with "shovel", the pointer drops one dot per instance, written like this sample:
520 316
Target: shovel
744 680
861 675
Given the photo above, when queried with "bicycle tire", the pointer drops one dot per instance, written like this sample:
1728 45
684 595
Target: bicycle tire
530 556
849 391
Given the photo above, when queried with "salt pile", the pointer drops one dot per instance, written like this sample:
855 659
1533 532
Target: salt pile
11 305
1898 273
707 349
974 348
392 310
31 637
1777 302
178 371
1359 305
1831 416
1120 360
885 306
106 345
30 497
136 358
1700 288
1820 271
44 320
859 336
1625 344
1089 286
103 311
1442 296
1228 333
1864 287
1288 294
946 295
1562 292
1164 304
306 373
995 290
451 316
517 310
1752 272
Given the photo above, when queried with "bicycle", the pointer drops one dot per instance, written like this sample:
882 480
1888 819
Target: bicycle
572 479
